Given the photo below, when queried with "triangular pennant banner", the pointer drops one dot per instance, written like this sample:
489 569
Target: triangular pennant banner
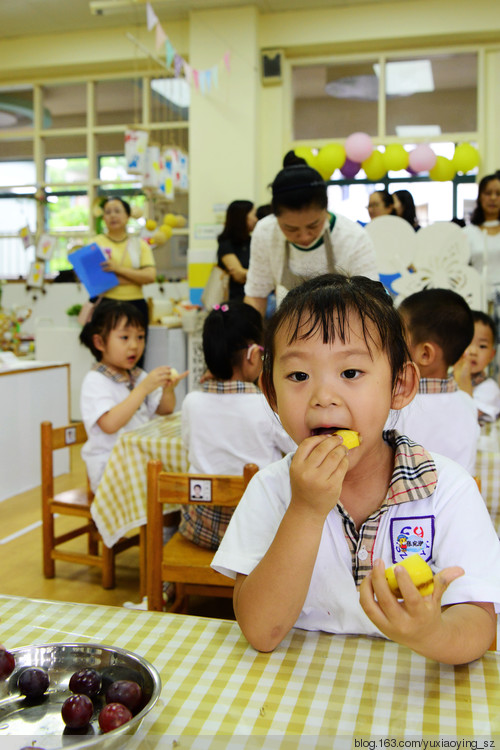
188 72
178 65
169 53
161 37
151 16
196 78
227 61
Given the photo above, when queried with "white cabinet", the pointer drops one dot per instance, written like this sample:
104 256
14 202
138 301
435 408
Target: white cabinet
29 395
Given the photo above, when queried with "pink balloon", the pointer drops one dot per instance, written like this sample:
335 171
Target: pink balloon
358 146
350 168
422 158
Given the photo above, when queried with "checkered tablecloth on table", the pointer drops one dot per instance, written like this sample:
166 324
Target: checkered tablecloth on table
215 687
120 501
488 469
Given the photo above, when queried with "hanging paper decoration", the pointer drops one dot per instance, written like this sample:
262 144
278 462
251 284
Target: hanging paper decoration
151 176
136 142
203 80
167 174
26 237
45 247
35 275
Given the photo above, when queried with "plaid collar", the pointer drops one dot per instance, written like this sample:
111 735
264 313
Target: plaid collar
438 385
414 478
478 378
130 379
230 386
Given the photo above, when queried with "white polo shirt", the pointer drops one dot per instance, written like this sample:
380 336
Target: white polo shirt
448 525
486 396
99 394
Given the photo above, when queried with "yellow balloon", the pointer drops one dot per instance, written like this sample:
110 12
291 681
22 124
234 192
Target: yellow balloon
159 237
443 170
466 157
180 221
395 157
169 220
307 154
374 166
167 231
330 158
150 224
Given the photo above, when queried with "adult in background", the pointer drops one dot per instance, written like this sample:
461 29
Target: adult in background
404 206
233 253
302 239
129 257
380 203
483 232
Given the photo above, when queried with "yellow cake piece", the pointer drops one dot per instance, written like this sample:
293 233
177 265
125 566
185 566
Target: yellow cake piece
349 437
420 574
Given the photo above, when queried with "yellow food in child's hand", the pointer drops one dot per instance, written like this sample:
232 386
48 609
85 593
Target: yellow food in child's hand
350 438
173 373
420 574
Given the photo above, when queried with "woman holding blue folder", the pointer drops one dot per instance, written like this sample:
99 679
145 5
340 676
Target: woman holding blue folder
129 257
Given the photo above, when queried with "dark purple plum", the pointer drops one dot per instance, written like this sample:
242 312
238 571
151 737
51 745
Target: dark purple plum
86 682
7 663
126 692
112 716
33 682
77 711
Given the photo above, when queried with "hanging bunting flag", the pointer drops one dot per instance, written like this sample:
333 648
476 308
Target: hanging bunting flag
227 61
169 53
215 76
196 78
152 18
188 72
161 37
178 65
208 79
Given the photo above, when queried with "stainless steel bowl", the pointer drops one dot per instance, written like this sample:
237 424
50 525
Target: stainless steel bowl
39 721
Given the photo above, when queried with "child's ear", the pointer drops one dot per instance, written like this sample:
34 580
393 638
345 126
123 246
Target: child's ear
98 342
406 386
424 353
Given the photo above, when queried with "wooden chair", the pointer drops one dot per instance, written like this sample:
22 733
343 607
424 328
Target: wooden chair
180 561
75 502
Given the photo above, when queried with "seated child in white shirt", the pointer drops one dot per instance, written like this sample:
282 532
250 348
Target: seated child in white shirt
229 422
310 540
441 417
471 371
116 395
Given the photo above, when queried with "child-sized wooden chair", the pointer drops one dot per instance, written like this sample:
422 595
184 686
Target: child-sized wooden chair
75 502
180 561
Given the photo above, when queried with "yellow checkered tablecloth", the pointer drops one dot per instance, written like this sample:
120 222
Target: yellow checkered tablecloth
488 469
120 501
217 688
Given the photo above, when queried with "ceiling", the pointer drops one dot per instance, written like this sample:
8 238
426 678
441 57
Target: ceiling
26 17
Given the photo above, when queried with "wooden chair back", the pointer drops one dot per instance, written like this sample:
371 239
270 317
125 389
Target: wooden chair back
74 502
180 561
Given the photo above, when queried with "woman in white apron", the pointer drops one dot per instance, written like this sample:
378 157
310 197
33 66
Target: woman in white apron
302 239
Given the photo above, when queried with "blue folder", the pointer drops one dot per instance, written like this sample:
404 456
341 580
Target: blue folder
87 264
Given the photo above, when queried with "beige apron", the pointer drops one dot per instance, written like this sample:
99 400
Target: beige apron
289 280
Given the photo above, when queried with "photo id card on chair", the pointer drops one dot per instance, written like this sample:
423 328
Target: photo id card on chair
200 490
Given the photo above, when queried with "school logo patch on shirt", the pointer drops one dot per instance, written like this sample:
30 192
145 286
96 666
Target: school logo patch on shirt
412 535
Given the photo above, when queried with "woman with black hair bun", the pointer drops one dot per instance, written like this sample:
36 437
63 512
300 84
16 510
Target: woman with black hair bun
233 253
302 239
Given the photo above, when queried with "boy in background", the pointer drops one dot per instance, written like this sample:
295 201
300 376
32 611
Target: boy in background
442 418
471 372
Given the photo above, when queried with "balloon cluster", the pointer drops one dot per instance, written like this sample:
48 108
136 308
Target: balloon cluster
358 152
162 233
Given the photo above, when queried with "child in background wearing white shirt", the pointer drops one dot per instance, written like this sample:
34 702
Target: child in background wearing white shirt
310 539
441 417
228 423
117 395
471 371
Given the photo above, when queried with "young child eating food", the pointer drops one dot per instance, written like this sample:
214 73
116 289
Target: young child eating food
313 534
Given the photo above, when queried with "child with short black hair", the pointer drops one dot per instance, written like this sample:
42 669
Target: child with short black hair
441 417
117 395
228 423
471 372
309 541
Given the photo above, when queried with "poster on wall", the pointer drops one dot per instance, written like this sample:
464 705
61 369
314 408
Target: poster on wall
26 237
136 142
